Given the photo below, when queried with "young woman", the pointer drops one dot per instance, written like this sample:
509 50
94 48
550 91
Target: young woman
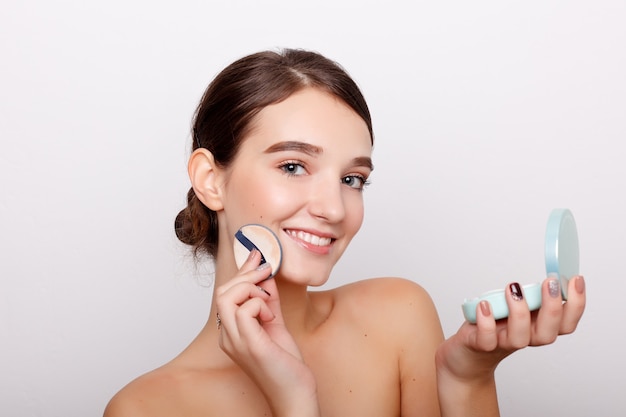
285 140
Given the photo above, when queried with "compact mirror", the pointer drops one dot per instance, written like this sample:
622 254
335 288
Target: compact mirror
257 236
562 247
561 257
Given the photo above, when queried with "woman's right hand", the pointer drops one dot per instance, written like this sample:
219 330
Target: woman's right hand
253 334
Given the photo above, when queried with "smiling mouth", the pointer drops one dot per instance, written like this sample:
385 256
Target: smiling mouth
310 238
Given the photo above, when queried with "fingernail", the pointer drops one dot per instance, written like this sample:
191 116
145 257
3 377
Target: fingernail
252 253
263 266
554 289
484 308
516 292
264 290
579 284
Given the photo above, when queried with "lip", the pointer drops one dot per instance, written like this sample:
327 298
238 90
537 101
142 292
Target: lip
314 236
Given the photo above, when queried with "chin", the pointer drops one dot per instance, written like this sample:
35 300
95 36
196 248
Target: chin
309 276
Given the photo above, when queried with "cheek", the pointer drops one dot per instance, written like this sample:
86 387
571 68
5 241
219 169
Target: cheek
355 213
245 198
283 198
265 199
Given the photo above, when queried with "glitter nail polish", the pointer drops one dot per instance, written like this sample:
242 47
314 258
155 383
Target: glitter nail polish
554 289
516 292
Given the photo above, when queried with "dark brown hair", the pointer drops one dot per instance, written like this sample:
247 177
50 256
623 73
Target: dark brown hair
230 103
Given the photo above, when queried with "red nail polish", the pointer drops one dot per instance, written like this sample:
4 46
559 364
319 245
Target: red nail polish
516 292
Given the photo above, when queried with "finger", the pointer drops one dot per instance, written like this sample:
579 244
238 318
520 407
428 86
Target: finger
249 317
229 301
269 286
239 293
548 323
274 326
575 305
255 275
516 334
252 261
486 338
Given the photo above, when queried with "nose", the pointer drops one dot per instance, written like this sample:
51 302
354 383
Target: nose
327 201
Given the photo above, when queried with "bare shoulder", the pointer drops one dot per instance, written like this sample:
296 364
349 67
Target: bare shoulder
187 386
402 318
389 300
145 396
389 292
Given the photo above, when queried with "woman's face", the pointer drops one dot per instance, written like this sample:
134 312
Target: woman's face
301 171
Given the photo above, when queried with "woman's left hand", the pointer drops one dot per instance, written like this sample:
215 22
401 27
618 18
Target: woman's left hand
476 350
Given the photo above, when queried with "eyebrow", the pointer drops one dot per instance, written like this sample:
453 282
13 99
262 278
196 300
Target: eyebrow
307 148
292 145
364 161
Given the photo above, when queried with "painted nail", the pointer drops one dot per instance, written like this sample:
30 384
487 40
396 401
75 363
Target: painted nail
554 289
263 266
484 308
579 284
264 290
516 292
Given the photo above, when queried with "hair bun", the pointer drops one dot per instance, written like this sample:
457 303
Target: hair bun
183 228
196 226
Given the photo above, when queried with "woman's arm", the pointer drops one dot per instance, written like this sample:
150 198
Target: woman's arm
467 398
466 362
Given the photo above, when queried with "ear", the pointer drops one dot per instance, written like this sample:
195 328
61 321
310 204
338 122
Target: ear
205 178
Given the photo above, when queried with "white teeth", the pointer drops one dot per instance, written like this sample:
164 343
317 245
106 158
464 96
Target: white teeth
309 238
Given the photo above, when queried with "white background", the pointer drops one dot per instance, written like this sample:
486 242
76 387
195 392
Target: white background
487 115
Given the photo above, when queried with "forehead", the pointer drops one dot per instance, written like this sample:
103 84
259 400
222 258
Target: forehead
312 116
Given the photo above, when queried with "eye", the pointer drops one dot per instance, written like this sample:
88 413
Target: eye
357 182
292 168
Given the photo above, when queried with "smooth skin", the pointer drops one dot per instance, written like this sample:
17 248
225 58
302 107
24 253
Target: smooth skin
371 348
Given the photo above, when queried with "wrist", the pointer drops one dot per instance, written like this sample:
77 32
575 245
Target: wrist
463 364
476 375
465 396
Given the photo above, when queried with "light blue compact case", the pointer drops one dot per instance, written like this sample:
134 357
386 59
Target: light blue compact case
562 262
